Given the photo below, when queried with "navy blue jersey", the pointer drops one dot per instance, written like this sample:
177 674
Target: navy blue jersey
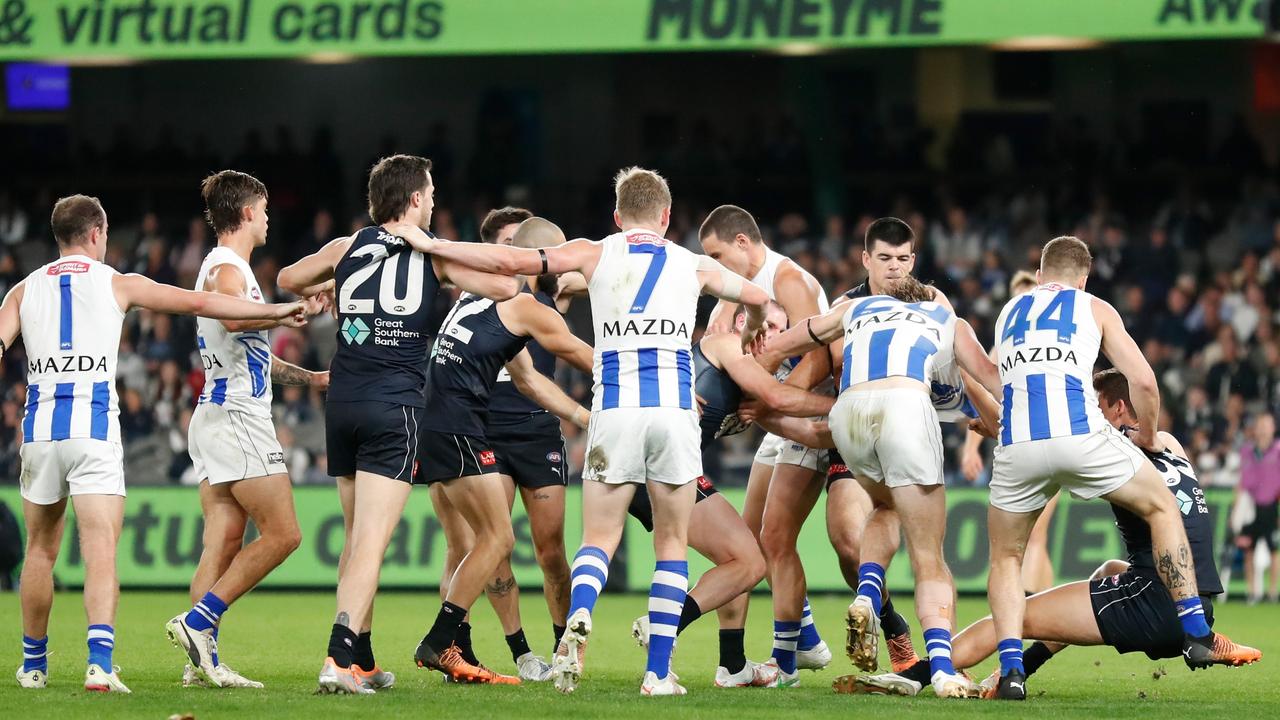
472 347
1180 478
721 395
385 293
506 404
860 291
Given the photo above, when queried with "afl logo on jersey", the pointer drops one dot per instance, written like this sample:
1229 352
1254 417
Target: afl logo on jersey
70 266
554 457
487 457
253 293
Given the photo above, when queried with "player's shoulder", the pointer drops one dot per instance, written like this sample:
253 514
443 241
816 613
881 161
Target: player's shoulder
1171 444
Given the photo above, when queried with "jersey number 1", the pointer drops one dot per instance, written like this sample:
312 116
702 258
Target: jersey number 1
658 258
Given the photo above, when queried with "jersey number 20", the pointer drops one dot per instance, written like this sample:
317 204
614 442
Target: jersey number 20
388 300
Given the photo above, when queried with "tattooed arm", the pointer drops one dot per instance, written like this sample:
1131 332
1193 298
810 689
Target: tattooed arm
284 373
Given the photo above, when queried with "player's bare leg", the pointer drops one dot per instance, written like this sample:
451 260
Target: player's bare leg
718 533
545 507
482 502
672 507
604 513
224 527
848 507
44 525
793 492
99 519
1008 532
364 667
376 510
1037 568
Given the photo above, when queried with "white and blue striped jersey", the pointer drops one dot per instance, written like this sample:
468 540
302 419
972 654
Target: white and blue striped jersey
644 295
947 391
71 331
1047 343
885 337
237 365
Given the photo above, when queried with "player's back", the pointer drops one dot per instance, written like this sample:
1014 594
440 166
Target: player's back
644 295
71 332
885 337
1047 343
471 349
237 365
385 294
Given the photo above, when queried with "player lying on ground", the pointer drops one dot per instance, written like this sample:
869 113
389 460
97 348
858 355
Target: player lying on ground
892 347
69 313
724 375
786 478
374 407
232 440
1123 605
478 340
644 426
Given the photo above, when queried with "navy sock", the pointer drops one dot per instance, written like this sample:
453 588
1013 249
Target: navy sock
342 641
444 631
517 643
690 613
1035 656
732 655
891 622
362 653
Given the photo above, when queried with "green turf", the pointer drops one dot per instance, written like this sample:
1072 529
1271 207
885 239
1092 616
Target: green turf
279 638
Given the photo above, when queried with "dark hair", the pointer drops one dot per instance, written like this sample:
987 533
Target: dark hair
890 231
1111 385
225 194
74 216
392 181
1064 256
500 218
727 222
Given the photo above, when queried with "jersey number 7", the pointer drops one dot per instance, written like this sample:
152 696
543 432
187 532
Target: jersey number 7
658 258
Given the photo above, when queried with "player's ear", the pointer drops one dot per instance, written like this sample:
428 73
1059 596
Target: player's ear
617 219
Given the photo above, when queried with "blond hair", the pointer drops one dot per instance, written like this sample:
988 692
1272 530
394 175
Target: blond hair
1065 258
1022 279
909 290
642 194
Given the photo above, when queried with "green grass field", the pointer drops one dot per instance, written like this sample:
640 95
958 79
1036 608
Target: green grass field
279 638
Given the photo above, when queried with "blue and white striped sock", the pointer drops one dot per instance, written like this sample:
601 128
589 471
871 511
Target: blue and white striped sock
786 633
1191 613
215 643
587 579
102 640
809 637
35 654
871 584
666 603
1010 656
206 613
937 642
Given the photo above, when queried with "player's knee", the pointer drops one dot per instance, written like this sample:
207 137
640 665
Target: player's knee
754 567
289 539
551 559
776 541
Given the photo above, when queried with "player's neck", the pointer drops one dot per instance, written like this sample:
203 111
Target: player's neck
628 227
756 257
240 243
76 250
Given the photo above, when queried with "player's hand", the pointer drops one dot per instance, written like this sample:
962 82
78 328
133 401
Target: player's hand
292 314
750 410
970 463
983 429
320 380
315 305
1145 439
702 403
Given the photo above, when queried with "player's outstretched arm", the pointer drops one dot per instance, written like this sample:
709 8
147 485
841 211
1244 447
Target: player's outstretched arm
227 279
810 433
286 373
1127 357
485 284
721 282
311 275
579 255
139 291
10 320
974 360
538 388
524 315
757 382
813 332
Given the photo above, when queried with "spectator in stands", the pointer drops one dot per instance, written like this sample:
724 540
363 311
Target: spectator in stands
1260 479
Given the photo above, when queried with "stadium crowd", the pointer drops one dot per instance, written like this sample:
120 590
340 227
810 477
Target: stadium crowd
1194 267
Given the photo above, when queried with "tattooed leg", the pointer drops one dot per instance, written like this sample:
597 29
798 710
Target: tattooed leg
1146 496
